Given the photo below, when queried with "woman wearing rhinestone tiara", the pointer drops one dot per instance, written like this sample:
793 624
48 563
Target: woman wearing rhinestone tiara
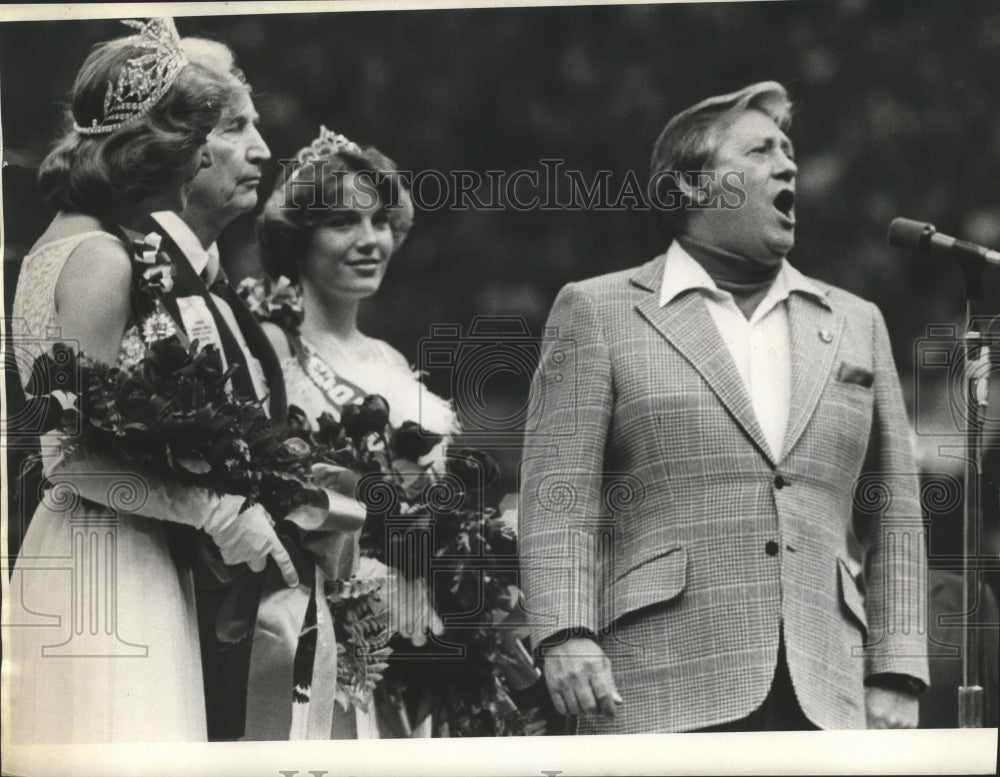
331 227
103 639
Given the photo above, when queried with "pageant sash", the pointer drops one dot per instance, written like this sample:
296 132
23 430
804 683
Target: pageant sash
293 660
339 391
292 684
189 286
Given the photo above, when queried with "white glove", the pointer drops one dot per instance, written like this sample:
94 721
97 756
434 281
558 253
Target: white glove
242 537
248 537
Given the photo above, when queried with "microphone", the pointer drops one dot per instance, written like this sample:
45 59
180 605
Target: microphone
923 237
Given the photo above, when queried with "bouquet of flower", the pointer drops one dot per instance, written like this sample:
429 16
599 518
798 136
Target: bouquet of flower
164 405
169 411
466 674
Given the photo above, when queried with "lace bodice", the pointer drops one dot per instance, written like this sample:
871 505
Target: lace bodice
34 326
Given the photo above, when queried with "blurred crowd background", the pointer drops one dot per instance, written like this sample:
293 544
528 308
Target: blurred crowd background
897 115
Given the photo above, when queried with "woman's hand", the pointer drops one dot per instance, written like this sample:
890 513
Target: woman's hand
248 537
243 537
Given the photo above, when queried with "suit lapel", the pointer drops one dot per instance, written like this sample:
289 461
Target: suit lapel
687 325
187 283
259 346
815 332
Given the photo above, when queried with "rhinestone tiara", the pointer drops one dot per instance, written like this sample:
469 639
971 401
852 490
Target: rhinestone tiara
324 146
142 80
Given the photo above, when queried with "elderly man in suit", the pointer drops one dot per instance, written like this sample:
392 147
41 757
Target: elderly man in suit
202 300
205 304
719 425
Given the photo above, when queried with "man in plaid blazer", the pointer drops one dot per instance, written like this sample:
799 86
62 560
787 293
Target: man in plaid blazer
717 431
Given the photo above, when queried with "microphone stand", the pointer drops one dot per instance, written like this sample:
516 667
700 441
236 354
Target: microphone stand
976 354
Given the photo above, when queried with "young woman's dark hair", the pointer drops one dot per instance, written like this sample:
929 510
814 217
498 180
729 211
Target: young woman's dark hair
303 197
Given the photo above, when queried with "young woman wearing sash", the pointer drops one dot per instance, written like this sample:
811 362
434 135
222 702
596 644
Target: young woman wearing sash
331 227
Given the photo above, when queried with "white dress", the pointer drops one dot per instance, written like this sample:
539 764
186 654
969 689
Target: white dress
376 369
102 644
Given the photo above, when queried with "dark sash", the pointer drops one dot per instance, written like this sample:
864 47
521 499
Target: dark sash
187 283
259 346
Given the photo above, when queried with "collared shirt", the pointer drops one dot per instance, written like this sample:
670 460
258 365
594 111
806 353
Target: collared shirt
206 264
760 346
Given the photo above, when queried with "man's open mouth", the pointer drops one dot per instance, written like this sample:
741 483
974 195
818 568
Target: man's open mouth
784 202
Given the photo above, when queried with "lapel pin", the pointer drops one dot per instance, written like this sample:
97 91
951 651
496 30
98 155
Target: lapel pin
826 335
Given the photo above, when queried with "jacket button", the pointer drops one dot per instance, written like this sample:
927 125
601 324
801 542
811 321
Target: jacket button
771 548
780 481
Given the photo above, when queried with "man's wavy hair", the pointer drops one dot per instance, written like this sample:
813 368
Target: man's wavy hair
214 55
688 143
301 202
102 173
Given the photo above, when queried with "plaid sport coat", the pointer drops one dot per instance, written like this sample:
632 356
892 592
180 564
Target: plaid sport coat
653 515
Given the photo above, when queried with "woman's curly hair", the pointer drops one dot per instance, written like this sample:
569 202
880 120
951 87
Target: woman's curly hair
99 174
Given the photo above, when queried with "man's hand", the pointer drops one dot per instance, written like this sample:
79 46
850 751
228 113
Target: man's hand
579 678
891 709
